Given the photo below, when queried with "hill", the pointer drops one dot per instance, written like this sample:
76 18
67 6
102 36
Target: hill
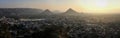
18 11
70 10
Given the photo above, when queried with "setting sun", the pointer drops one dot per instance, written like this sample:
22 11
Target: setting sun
95 5
101 3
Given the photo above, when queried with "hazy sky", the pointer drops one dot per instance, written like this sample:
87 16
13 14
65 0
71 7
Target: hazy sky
62 5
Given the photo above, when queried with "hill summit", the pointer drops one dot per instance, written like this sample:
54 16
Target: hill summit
47 11
70 10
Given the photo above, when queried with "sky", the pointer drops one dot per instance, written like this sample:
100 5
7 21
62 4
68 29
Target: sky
62 5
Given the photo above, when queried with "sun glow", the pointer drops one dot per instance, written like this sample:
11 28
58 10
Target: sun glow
95 5
101 3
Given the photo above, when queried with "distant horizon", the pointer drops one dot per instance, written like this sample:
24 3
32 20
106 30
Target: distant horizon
46 9
96 6
42 8
63 11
